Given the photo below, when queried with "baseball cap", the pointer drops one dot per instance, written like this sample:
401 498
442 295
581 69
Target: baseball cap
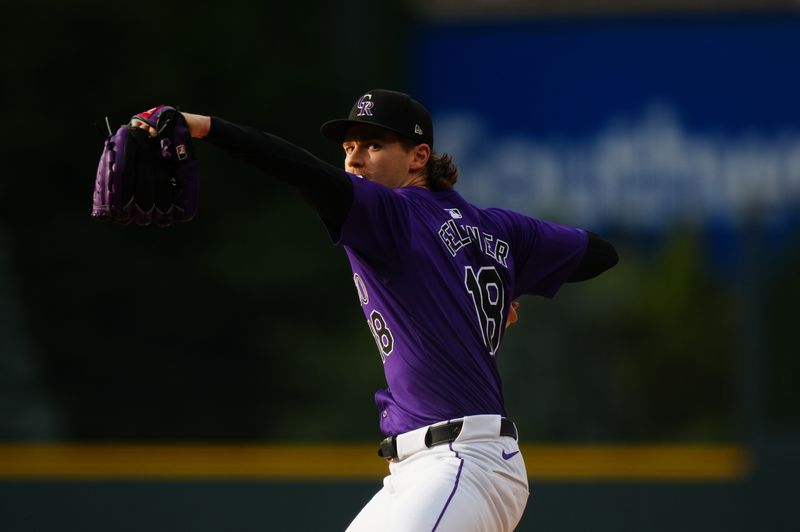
392 110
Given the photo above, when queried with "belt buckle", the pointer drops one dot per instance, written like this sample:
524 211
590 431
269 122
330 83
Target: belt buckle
445 433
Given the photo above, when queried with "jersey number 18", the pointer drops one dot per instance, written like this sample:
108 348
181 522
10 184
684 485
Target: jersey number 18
486 288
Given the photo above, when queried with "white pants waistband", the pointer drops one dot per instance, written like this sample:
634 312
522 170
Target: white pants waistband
480 427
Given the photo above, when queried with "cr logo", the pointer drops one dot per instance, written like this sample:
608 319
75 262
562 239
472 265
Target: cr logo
364 105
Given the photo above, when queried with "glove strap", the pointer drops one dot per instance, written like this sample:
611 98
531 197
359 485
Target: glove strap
150 117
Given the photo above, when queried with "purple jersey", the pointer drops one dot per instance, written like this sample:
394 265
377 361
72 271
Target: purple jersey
435 276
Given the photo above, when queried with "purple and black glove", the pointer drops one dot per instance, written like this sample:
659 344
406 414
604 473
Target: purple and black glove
148 179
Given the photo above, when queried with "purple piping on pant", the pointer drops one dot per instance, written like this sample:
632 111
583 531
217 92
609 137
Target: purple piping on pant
455 487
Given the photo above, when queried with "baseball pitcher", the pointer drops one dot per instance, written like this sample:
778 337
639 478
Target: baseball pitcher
437 279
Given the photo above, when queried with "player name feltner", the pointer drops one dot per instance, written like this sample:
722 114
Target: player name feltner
456 237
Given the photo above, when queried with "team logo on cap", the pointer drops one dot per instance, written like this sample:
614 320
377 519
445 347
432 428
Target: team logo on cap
417 129
364 105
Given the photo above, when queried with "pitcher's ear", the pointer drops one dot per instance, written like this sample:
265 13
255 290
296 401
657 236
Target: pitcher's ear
422 153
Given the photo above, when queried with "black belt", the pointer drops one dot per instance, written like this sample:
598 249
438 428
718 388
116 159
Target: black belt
440 434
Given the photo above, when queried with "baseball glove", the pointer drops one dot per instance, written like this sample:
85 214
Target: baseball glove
148 179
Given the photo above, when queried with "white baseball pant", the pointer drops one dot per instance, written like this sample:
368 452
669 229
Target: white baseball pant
476 483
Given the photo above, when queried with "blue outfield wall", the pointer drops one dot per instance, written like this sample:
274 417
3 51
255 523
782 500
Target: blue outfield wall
635 122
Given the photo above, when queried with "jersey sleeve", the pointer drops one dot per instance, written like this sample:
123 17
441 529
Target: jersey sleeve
376 224
545 254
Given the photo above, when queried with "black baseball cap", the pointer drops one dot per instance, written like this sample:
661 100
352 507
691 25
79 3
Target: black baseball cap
392 110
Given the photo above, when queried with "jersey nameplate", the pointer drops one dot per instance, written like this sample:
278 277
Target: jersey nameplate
456 237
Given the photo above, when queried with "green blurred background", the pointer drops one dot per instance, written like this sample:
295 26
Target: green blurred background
243 325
